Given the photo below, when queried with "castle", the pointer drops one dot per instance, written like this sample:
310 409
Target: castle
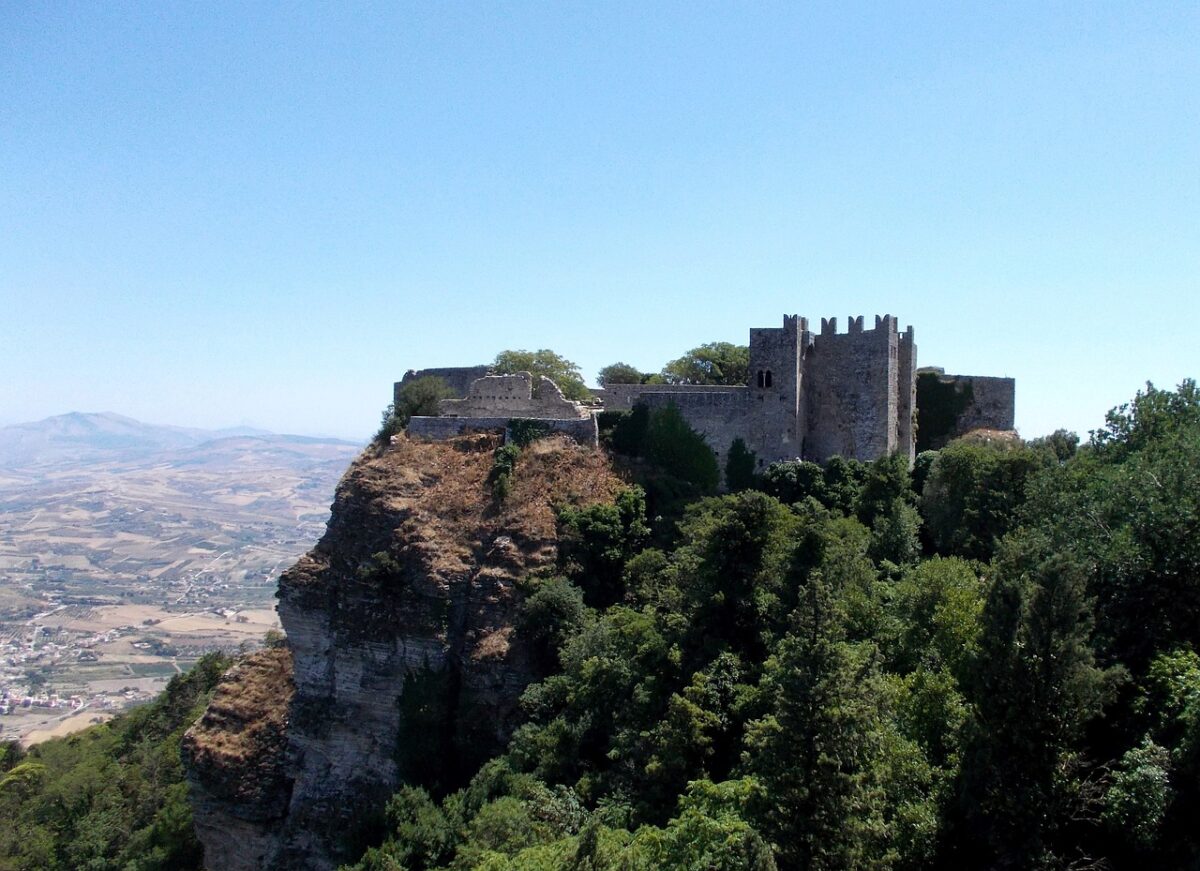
811 395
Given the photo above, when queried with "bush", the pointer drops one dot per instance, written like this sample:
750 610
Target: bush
418 398
680 450
739 467
503 464
523 431
550 616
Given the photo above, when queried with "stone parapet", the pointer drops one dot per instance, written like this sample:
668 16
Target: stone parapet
583 430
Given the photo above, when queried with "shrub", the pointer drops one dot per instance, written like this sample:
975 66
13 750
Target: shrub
680 450
418 398
503 464
522 430
739 467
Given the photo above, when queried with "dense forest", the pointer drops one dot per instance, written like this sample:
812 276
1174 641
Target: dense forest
112 796
989 660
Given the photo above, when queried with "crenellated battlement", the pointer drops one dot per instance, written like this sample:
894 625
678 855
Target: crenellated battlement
855 325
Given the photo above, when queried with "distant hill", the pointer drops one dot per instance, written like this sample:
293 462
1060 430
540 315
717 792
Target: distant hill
78 438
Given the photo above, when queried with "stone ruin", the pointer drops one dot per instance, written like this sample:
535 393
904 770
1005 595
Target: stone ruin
493 401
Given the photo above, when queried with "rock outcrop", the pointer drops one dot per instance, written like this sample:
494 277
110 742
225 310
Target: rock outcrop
404 659
238 784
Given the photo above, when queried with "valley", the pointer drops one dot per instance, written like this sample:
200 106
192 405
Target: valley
127 551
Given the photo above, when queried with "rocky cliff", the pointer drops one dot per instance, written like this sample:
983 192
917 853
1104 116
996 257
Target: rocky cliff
403 655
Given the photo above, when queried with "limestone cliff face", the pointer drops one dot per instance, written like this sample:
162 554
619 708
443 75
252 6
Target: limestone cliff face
235 759
405 663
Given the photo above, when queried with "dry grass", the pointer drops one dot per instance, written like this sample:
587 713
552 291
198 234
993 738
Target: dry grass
248 715
440 495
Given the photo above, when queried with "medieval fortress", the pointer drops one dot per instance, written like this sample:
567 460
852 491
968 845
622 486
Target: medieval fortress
812 395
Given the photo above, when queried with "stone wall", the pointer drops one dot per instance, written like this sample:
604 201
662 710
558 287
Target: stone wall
519 395
719 416
582 429
992 404
623 397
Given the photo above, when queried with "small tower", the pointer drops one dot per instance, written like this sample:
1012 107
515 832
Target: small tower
776 389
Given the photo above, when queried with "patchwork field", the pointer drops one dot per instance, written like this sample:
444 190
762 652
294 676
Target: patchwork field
119 566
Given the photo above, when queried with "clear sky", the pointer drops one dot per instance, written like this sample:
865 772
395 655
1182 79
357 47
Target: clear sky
213 214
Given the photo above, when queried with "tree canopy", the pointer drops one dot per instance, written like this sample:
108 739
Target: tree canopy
558 369
621 373
713 363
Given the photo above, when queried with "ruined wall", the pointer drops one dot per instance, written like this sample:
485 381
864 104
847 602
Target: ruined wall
851 391
458 378
949 406
583 429
519 395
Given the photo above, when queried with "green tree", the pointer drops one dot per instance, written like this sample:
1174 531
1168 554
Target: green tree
1034 689
1136 801
417 398
938 606
679 450
884 481
740 466
550 616
1061 443
558 369
793 481
843 483
620 373
1152 416
818 753
1128 507
974 491
710 833
714 363
598 540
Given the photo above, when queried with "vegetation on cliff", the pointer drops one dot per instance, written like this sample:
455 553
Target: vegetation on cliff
112 796
990 661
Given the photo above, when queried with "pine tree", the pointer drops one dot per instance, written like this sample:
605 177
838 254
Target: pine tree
817 754
1035 687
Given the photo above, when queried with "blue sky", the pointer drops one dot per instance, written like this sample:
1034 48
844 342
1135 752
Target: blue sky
219 214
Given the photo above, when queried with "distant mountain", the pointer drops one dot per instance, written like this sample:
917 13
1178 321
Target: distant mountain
78 438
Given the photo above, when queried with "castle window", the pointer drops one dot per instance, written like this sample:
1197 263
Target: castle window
761 380
768 377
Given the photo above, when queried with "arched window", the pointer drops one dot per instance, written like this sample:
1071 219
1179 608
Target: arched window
762 381
768 378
